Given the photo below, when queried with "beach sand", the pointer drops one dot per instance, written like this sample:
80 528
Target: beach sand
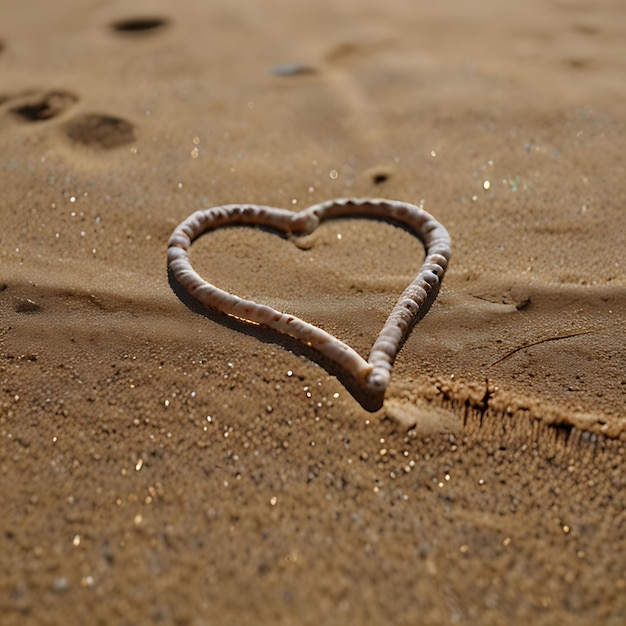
161 466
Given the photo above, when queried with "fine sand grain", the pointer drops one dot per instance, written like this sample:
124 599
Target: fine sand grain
162 464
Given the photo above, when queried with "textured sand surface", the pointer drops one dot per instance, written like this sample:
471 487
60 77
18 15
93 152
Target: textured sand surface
163 466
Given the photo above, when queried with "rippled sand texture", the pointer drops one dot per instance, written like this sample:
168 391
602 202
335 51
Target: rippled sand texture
163 466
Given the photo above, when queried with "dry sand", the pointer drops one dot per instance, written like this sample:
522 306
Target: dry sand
160 466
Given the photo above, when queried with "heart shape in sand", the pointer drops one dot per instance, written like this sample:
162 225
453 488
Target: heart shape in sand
372 376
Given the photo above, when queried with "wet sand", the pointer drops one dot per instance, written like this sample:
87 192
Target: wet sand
163 466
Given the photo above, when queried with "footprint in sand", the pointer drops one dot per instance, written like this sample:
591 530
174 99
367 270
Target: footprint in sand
139 25
37 106
95 130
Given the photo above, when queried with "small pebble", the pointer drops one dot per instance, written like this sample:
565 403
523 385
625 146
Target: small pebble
60 584
291 69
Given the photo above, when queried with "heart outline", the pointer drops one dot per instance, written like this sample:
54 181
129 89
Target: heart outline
371 378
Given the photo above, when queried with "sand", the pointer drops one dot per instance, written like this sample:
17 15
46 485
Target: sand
163 466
